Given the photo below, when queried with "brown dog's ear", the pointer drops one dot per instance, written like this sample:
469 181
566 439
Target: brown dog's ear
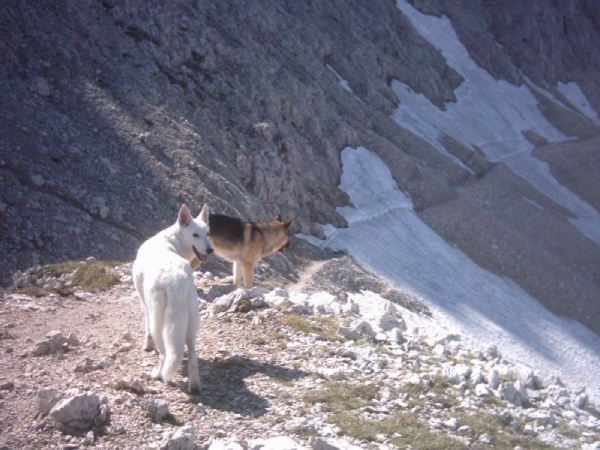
287 223
277 218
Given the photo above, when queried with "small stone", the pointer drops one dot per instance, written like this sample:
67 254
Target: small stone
41 349
182 439
485 438
397 336
581 401
318 443
354 333
72 340
332 373
510 394
89 439
481 390
156 409
38 180
40 86
451 424
275 443
7 386
47 398
493 379
127 337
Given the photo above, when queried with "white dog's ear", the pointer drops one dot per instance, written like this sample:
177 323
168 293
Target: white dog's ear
203 216
184 216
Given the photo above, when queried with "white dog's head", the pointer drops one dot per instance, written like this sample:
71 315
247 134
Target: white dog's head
194 234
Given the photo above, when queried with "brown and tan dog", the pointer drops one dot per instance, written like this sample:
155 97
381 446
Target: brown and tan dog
244 243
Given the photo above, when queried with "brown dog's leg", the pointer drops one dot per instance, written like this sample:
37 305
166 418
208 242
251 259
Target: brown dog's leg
247 269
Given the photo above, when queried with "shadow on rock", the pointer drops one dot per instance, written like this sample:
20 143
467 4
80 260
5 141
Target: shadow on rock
223 385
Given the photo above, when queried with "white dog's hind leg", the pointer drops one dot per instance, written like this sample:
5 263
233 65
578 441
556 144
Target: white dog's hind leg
155 325
157 372
173 340
138 280
148 341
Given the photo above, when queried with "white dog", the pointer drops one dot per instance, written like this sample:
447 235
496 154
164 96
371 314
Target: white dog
164 281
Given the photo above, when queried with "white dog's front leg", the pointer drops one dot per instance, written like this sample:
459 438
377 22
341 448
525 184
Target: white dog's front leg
193 374
156 372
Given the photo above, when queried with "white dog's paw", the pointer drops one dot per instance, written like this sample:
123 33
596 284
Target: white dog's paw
149 344
194 386
156 374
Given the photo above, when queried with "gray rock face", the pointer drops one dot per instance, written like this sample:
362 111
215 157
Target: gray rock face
113 114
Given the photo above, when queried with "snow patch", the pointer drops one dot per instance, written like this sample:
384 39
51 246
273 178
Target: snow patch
385 235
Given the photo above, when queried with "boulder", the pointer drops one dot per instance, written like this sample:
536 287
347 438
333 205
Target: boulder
79 411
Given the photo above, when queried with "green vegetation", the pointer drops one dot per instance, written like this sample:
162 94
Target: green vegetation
325 328
345 401
89 276
259 341
402 429
95 276
342 396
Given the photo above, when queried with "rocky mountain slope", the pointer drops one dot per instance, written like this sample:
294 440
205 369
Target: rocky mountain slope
322 364
114 113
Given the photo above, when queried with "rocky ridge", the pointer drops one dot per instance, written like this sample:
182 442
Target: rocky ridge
295 363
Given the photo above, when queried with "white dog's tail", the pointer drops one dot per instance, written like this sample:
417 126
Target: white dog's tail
179 323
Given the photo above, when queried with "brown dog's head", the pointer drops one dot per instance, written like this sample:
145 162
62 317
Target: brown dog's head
284 235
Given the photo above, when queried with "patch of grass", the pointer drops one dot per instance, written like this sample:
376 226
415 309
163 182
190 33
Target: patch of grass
342 396
258 341
565 430
344 400
94 276
325 328
402 428
416 394
59 269
502 437
90 276
492 400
